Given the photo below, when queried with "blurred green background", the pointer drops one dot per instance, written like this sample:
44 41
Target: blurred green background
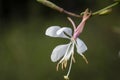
25 50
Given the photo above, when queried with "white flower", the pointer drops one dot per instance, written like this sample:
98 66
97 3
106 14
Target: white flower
65 52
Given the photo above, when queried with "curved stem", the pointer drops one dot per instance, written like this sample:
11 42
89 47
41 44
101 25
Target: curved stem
72 22
71 14
57 8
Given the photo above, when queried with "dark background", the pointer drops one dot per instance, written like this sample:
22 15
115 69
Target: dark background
25 50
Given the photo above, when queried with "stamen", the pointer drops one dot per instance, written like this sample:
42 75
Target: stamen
72 52
85 58
65 53
65 64
66 77
62 65
62 60
57 66
73 58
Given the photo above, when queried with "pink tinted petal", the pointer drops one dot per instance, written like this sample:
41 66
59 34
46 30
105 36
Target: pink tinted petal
81 47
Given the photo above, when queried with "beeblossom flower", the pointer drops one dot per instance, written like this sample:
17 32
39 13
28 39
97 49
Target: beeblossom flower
65 52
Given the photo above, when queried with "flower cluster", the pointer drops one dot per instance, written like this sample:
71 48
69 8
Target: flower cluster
66 51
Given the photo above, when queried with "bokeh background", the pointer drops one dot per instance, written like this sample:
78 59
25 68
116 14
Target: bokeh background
25 50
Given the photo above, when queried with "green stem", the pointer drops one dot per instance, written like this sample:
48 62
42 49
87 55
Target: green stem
51 5
108 7
57 8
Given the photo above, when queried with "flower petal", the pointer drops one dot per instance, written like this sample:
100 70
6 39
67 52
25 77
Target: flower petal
64 30
51 31
57 31
81 47
58 52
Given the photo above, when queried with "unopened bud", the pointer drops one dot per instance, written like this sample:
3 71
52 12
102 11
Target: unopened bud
107 11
